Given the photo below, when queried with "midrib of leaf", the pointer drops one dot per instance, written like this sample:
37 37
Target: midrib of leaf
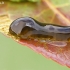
52 7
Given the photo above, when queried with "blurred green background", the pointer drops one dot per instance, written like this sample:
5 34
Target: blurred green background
14 56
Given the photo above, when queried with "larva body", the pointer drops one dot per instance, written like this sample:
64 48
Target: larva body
27 27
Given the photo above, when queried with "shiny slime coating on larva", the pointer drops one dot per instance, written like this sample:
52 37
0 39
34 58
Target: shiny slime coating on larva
29 28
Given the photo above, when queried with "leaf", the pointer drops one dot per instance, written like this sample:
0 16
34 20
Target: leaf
61 9
48 11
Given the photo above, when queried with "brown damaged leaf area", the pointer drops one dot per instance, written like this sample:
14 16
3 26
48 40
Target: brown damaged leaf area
43 12
58 54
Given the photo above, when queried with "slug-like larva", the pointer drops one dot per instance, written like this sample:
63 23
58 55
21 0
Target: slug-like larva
29 28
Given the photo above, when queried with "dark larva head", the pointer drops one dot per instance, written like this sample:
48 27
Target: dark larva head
17 26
